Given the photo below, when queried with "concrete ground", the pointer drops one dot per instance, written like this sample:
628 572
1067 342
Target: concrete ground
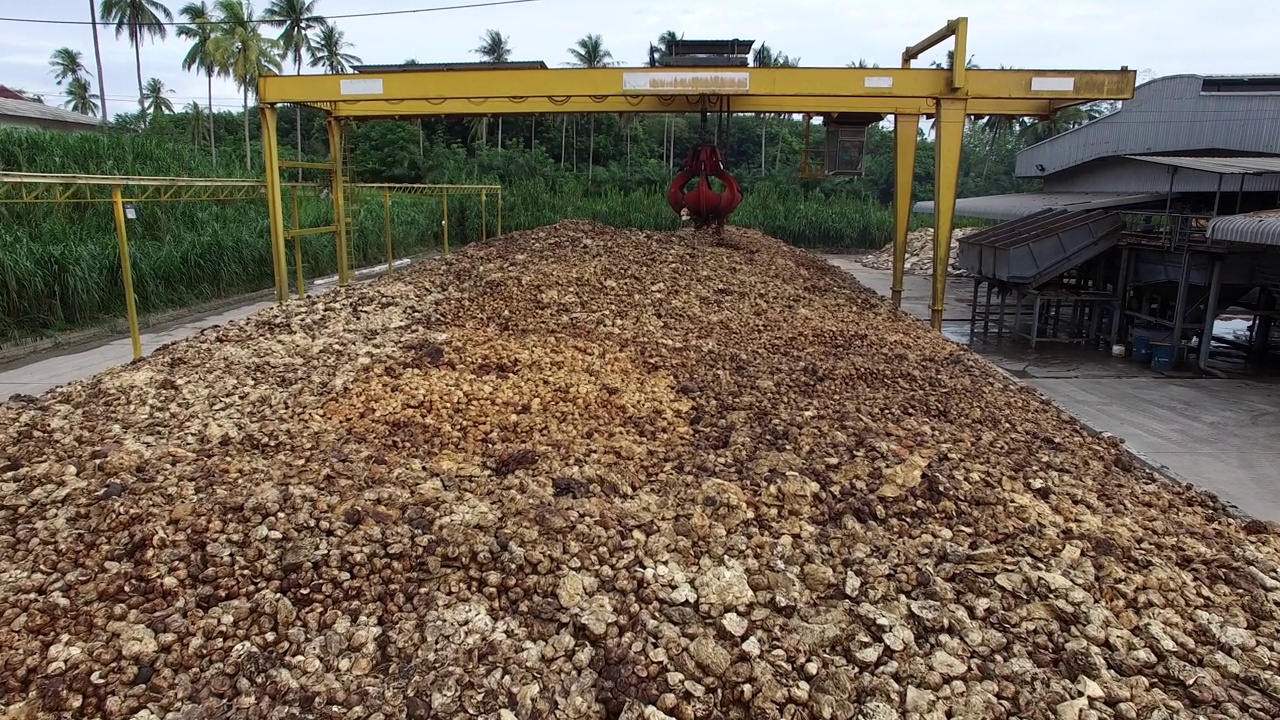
1222 435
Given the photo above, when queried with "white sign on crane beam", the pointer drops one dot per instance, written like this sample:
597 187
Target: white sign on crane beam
715 83
361 86
1053 84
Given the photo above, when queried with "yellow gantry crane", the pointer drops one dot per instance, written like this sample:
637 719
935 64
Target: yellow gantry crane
907 94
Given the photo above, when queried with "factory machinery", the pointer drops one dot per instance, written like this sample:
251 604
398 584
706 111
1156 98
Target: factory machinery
713 79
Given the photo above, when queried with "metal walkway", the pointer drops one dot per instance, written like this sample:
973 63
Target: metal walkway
1037 248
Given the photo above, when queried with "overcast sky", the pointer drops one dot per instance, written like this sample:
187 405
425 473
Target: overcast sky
1163 37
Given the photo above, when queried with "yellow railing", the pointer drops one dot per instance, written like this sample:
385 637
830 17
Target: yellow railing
124 190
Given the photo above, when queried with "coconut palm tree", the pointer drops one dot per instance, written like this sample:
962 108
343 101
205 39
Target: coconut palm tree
1061 121
203 54
422 132
196 115
590 52
862 63
156 104
97 54
80 97
331 50
666 41
247 53
296 19
785 61
764 57
494 47
67 64
29 97
139 19
951 61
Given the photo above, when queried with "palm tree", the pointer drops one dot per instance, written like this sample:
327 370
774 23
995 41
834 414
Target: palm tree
196 114
863 64
330 50
784 62
951 61
1063 120
590 52
138 19
203 54
422 132
248 55
67 64
666 41
296 19
97 54
494 48
80 97
156 103
29 97
764 57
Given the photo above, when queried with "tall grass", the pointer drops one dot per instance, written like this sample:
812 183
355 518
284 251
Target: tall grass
60 265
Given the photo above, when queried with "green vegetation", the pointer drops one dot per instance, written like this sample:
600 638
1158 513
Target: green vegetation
59 265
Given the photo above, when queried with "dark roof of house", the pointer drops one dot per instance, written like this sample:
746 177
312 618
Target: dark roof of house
48 113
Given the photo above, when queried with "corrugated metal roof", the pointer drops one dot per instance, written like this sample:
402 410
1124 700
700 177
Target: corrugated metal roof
1167 115
37 111
1016 205
1257 228
1219 165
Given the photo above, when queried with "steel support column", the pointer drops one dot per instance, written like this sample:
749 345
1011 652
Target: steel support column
906 129
1180 306
334 126
949 128
1210 312
1122 293
275 202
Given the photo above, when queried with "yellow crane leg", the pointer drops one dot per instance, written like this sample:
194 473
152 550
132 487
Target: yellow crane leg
949 124
905 131
275 203
339 210
126 272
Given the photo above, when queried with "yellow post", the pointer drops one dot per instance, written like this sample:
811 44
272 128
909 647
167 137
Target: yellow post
297 247
386 219
905 130
499 212
484 215
339 211
960 55
126 270
949 124
275 204
444 224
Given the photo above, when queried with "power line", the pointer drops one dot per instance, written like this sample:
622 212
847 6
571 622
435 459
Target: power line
465 6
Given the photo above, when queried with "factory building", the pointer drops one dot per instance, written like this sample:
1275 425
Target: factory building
1149 221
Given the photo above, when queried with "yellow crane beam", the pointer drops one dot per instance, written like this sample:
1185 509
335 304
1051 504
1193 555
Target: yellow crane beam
506 92
948 95
679 104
